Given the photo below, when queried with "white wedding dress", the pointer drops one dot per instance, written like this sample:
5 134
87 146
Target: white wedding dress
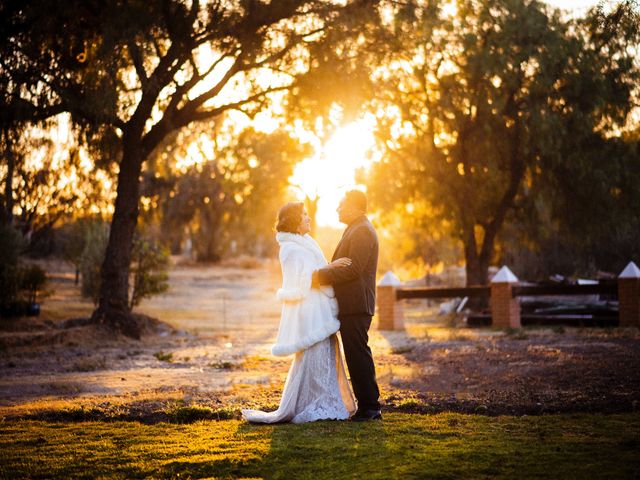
316 387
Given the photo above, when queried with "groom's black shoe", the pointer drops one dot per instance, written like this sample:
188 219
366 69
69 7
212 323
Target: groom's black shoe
366 415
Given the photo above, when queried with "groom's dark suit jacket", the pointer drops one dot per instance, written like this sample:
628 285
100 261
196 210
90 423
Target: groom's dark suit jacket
355 285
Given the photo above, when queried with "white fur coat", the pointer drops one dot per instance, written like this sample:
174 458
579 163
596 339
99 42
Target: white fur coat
308 315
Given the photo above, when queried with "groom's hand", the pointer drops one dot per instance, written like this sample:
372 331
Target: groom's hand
362 243
315 281
340 263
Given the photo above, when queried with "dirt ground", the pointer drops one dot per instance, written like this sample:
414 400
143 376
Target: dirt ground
214 351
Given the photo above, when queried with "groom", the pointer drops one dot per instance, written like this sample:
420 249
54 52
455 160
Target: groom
354 286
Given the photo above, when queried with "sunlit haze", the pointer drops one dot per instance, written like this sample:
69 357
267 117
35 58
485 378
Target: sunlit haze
331 171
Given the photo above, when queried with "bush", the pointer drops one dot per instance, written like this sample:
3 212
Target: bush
149 264
19 285
149 270
71 239
10 245
9 283
33 280
95 246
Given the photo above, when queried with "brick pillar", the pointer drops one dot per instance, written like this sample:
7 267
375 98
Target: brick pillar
629 296
505 310
390 314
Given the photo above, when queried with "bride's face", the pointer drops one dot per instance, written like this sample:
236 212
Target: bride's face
305 223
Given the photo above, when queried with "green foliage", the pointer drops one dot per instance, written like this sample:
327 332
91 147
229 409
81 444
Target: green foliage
11 244
95 245
491 108
149 265
19 284
73 243
164 357
194 413
224 205
401 446
149 270
117 68
33 280
58 186
72 238
265 161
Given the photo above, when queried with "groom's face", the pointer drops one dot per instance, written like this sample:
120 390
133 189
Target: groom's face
346 212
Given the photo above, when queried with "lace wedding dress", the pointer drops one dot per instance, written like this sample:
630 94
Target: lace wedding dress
316 388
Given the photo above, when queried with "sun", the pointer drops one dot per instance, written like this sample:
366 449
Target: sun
332 169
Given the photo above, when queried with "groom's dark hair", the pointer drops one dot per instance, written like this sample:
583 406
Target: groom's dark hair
356 199
289 217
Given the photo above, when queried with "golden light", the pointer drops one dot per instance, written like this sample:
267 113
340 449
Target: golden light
450 9
194 153
331 171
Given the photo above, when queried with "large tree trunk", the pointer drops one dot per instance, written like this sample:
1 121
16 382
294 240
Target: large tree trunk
477 270
113 307
476 264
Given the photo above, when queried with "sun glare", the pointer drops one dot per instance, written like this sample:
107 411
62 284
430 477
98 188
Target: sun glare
450 9
331 171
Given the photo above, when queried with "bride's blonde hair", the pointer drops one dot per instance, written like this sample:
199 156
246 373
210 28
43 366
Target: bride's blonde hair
289 217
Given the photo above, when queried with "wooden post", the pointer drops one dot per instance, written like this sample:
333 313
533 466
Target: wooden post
629 296
505 310
390 315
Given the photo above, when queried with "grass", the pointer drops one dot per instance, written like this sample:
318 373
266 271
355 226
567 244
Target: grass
191 413
223 365
164 357
402 446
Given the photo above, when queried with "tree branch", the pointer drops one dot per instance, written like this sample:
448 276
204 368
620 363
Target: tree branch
214 112
183 89
183 118
136 58
194 104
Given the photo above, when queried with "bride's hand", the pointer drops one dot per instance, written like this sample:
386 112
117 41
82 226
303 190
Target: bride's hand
340 262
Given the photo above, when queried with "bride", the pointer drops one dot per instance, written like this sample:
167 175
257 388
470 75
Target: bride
316 387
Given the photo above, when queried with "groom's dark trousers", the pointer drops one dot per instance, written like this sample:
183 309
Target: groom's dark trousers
355 288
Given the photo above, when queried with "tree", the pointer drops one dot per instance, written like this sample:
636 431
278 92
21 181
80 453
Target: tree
575 230
484 104
150 263
415 240
265 162
136 72
220 188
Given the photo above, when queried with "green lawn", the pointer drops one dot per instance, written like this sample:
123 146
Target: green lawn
402 446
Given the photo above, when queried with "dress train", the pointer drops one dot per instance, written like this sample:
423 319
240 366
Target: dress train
316 388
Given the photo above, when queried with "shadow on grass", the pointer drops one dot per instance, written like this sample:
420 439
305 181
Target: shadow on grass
402 446
324 449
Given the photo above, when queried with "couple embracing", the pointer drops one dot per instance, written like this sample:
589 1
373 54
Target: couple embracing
320 299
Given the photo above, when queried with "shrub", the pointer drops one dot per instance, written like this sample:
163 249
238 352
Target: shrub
164 357
72 238
19 285
149 264
95 246
33 280
149 270
10 245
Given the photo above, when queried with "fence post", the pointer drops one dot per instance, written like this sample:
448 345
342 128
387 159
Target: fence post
505 310
629 296
390 315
